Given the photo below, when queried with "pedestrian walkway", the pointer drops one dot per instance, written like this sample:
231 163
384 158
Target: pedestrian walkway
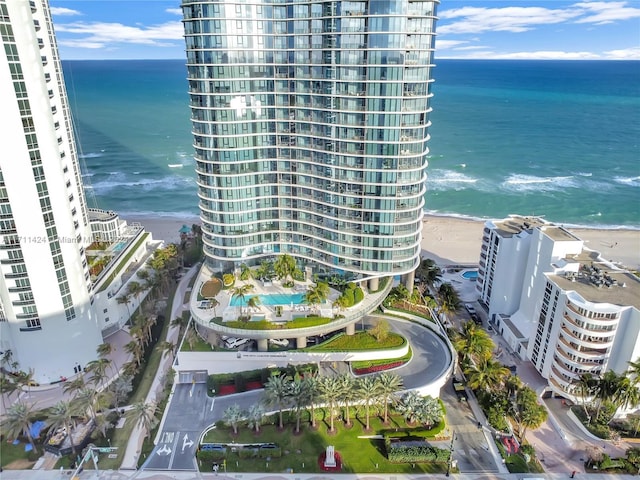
134 447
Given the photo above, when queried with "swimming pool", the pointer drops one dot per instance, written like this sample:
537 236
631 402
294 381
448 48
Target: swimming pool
119 246
273 299
470 274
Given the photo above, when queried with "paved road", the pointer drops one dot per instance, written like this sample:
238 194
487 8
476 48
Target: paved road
470 447
191 411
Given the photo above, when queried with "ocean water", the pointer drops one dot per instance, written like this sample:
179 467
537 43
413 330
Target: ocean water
554 138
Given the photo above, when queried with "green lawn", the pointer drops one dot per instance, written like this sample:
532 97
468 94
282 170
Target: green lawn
374 363
10 453
516 463
359 341
301 322
301 452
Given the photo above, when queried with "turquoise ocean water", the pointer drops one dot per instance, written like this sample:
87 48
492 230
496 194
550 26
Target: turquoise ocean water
553 138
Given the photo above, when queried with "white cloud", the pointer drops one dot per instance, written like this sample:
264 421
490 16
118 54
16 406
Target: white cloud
504 19
632 53
537 55
600 13
64 11
446 44
98 33
175 11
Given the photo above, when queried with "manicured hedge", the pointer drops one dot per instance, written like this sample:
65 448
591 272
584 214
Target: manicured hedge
417 433
398 453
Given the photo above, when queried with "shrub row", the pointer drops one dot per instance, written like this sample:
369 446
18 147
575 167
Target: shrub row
399 453
416 433
250 451
241 379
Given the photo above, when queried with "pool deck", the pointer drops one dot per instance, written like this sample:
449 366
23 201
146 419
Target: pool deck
290 311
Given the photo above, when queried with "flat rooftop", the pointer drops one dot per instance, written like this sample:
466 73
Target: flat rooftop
559 234
599 283
515 224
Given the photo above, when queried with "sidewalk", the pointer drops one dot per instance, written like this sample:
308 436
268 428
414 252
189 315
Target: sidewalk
130 459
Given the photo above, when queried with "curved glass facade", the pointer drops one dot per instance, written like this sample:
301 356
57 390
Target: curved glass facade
310 126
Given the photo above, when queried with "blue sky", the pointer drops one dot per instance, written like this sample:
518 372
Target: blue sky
505 29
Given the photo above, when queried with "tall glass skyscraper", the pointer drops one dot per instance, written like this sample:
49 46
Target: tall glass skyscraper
310 122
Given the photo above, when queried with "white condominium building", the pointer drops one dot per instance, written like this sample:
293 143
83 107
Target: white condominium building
557 303
45 288
57 288
310 121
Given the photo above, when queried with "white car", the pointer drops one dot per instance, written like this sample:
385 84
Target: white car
470 308
235 342
281 342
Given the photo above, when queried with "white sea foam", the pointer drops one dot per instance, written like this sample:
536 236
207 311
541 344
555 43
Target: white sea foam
449 180
584 174
146 185
530 183
629 181
90 155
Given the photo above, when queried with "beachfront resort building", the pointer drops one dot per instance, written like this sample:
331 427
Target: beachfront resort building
556 302
52 311
310 128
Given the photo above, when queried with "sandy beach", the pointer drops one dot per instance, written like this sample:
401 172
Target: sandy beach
451 240
457 241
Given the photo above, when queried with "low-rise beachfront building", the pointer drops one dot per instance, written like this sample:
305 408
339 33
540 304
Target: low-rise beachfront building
52 316
123 250
556 303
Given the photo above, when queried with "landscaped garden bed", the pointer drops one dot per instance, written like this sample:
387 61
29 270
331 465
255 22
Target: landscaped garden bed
360 341
211 288
300 453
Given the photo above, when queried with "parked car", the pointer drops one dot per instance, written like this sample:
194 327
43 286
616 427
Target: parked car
461 392
281 342
470 308
235 342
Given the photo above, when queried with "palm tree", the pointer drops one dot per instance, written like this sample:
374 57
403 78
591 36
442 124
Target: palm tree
191 337
298 397
284 266
430 411
410 406
167 347
135 349
25 379
276 392
241 291
634 371
449 299
369 392
125 299
317 294
331 391
430 273
389 384
18 419
586 386
104 350
144 415
130 369
312 387
348 386
98 369
245 272
608 389
255 417
473 343
486 375
62 415
74 386
232 417
627 393
253 302
7 387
